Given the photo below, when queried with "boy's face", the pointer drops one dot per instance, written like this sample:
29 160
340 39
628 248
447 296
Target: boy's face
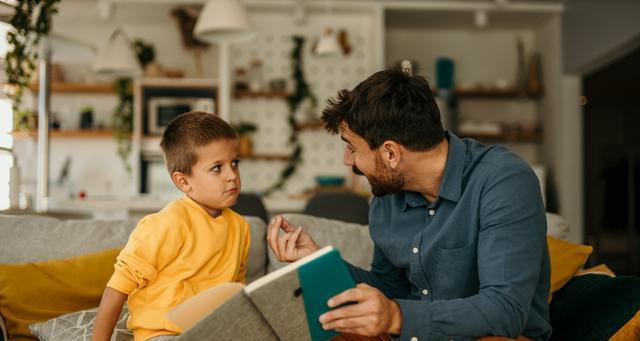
214 182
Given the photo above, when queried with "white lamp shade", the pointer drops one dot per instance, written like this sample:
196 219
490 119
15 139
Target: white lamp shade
118 57
328 45
223 20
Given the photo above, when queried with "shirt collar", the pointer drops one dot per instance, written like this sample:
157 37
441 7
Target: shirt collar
451 186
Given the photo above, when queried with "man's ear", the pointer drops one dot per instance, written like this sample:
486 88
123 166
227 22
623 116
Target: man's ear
391 152
181 181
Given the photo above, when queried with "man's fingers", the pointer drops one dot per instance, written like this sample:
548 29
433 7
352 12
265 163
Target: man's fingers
291 243
282 247
348 323
349 295
346 312
286 226
272 234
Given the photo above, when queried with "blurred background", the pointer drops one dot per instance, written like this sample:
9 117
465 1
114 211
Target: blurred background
555 81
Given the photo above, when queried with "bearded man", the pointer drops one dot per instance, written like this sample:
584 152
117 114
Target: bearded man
458 227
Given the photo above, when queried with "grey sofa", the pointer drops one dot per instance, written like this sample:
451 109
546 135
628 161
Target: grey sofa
36 238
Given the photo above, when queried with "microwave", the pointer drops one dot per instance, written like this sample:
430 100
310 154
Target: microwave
162 110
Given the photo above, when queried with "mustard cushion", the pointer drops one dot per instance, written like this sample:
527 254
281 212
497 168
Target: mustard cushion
35 292
630 331
566 260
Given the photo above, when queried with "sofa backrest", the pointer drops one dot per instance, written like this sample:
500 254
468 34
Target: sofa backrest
352 240
35 238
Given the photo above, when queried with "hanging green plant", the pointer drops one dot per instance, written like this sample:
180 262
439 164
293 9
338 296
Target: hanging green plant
301 92
31 20
123 119
123 114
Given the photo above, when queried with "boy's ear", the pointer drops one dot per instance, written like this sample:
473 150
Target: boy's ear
181 181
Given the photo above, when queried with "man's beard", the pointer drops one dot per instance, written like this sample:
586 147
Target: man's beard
385 181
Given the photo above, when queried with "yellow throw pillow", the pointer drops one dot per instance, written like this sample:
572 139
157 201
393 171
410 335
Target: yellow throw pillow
35 292
630 331
566 259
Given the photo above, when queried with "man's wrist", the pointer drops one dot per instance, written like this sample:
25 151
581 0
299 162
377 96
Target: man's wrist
396 319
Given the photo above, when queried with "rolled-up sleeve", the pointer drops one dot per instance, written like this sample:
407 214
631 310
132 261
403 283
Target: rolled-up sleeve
151 246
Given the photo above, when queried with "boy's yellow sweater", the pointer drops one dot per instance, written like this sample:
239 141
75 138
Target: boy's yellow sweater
173 255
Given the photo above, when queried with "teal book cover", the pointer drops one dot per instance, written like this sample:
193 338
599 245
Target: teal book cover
321 279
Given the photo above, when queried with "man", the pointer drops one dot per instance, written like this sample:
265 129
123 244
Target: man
458 228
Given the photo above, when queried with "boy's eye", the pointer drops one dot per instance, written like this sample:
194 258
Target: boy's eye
215 168
235 163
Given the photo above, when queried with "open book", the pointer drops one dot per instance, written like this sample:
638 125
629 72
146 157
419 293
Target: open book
283 305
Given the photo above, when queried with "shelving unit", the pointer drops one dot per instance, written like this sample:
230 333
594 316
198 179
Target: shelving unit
260 94
98 88
267 157
79 134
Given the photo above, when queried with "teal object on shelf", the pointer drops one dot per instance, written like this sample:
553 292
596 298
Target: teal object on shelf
328 180
444 73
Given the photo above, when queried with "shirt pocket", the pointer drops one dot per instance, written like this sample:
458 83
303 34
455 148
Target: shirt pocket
456 272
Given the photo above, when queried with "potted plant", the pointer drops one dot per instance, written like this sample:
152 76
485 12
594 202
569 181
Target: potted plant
245 144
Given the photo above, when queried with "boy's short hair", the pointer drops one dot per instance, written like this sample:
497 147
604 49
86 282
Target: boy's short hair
186 133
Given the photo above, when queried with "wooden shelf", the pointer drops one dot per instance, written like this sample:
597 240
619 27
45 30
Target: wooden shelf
267 157
93 133
533 137
310 126
96 88
493 94
262 94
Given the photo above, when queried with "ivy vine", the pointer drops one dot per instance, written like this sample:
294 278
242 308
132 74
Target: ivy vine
294 101
31 20
123 120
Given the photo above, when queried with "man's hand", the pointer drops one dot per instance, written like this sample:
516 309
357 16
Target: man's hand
293 245
373 313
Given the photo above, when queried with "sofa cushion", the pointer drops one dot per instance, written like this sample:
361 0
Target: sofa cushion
566 260
79 326
352 240
34 292
257 263
33 238
594 307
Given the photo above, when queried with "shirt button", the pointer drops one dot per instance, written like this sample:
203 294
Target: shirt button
425 292
415 250
414 339
432 212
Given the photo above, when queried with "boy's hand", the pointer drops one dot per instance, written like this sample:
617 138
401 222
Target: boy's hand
293 245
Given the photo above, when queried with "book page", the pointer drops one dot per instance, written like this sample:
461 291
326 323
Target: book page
191 311
282 271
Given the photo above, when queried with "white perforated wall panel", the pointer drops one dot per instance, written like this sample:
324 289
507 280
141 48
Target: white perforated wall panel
326 76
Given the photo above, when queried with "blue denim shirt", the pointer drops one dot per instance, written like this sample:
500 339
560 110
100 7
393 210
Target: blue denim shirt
472 263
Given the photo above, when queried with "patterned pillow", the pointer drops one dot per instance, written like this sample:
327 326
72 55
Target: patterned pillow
78 326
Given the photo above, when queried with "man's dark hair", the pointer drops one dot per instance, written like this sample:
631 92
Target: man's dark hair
186 133
389 105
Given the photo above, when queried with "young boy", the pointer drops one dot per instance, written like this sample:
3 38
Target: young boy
194 243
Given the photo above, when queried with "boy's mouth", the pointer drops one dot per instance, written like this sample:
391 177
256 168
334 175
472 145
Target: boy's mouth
233 190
